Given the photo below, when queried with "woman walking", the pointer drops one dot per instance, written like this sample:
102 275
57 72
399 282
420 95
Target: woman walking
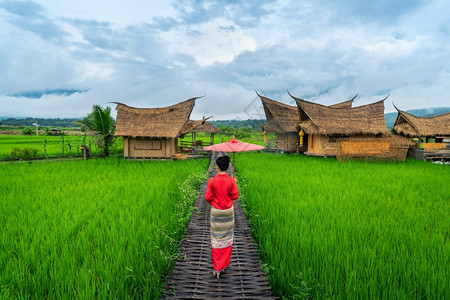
220 193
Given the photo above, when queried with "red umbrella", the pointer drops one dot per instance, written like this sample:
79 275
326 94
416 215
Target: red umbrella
234 146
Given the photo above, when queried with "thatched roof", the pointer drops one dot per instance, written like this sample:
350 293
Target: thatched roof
153 122
345 104
319 119
412 126
199 126
272 126
282 118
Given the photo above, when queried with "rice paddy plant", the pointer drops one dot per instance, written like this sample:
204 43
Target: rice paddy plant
353 230
105 228
52 146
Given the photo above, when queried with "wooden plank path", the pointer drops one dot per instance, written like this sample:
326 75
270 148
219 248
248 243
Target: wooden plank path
192 276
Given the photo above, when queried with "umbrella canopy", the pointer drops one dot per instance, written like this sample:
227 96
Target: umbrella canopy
234 146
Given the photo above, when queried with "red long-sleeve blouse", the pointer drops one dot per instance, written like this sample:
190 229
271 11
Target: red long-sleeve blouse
221 191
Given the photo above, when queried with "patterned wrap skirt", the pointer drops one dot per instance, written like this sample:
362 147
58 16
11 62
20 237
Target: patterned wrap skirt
222 226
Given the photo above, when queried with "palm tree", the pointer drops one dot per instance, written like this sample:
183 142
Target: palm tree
102 125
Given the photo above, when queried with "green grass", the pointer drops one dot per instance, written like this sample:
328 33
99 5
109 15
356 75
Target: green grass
105 228
51 145
353 230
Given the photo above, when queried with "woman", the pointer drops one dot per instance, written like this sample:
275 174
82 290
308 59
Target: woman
221 192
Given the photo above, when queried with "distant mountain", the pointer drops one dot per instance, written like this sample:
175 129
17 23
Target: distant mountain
424 113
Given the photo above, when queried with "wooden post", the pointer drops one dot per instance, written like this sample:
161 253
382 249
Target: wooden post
37 130
212 138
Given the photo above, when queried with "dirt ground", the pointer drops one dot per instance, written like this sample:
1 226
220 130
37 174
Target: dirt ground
11 132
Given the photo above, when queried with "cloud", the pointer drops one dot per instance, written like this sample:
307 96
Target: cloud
23 9
243 13
40 94
30 16
381 11
210 42
159 53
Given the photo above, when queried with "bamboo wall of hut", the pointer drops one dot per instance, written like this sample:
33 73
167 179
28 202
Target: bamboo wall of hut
149 147
287 142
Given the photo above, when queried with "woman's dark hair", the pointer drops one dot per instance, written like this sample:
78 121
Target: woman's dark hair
223 162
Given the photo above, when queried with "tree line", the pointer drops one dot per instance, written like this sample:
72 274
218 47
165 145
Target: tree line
254 124
57 122
75 122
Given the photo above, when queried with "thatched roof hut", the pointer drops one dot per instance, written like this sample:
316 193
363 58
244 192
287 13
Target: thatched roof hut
325 120
282 118
164 122
408 125
199 126
347 131
154 132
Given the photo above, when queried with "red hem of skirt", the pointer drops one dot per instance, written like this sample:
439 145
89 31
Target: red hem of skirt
221 258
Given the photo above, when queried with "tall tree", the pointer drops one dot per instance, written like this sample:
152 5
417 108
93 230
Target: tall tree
102 124
103 127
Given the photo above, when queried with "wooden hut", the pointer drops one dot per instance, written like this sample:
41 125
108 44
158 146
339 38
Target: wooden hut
344 131
424 129
152 132
195 127
282 119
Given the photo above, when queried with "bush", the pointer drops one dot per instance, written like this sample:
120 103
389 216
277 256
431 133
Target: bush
29 130
242 134
25 153
239 133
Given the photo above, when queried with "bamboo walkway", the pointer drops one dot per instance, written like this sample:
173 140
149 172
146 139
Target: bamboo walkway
192 276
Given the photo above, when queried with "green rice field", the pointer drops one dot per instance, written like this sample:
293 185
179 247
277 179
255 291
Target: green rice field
50 146
353 230
101 228
109 228
57 146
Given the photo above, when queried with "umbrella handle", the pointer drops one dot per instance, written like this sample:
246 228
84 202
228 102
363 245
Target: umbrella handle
234 164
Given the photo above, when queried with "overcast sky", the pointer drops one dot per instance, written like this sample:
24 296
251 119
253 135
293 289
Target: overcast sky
58 58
